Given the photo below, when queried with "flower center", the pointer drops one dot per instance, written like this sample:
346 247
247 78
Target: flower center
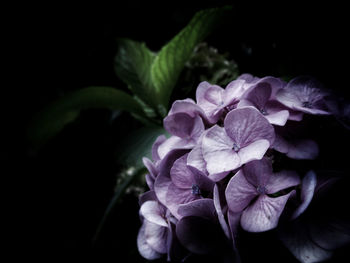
235 147
261 189
196 190
307 104
263 111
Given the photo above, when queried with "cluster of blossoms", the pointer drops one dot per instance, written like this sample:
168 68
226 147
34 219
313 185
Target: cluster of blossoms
215 175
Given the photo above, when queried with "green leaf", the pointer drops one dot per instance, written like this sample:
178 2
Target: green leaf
138 144
133 65
52 120
172 57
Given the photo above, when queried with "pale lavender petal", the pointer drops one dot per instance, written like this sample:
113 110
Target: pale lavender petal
253 151
258 173
195 159
245 103
233 91
217 151
282 180
185 106
180 174
218 177
303 149
160 139
202 208
307 192
173 143
239 192
150 211
177 196
144 248
246 125
218 208
278 118
156 236
263 214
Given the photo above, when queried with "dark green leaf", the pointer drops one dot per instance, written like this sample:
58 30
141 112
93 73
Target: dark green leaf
171 59
51 120
137 145
133 65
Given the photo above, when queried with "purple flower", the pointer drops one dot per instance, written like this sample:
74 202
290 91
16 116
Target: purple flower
246 136
154 234
261 96
214 100
186 185
255 181
304 94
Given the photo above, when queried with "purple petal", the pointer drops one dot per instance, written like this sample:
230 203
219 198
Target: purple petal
179 124
303 149
307 192
295 115
163 180
150 181
186 106
180 174
218 177
282 180
199 235
278 118
259 95
203 208
233 92
239 192
253 151
298 241
177 196
158 141
195 159
246 125
263 214
233 221
151 211
150 167
144 248
258 173
147 196
280 144
156 236
173 143
331 235
217 151
303 94
218 208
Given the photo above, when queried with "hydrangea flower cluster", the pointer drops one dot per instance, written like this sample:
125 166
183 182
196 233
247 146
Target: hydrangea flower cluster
215 175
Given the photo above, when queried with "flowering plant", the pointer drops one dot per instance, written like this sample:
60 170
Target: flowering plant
220 172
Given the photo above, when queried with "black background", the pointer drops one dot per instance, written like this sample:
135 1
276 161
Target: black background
60 193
